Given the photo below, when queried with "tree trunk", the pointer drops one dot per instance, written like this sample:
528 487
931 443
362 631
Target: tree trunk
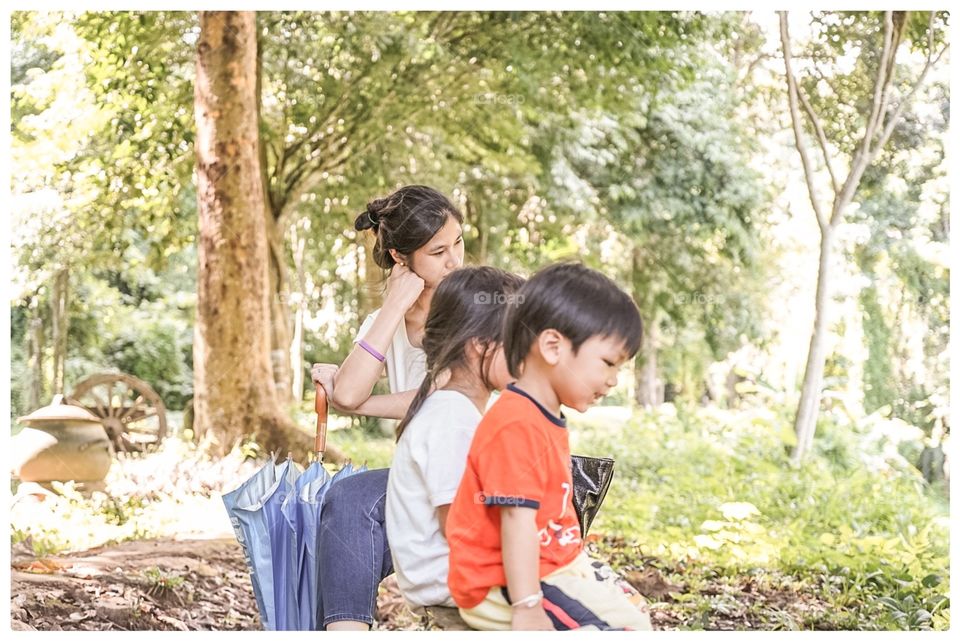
373 284
280 318
280 341
649 391
59 301
35 347
881 121
474 212
233 381
296 348
805 423
359 251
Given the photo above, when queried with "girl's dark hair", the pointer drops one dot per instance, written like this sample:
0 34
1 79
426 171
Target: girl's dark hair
405 220
471 302
575 300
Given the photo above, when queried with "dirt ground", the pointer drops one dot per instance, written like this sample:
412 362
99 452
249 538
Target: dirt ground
159 584
204 584
137 585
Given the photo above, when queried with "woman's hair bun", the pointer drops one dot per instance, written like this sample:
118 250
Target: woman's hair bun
370 218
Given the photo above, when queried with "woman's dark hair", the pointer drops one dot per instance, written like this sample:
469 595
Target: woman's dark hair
405 220
575 300
470 303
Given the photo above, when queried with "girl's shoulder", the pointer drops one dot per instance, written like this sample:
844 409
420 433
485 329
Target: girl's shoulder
445 409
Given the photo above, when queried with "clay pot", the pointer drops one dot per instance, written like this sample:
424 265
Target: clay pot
61 443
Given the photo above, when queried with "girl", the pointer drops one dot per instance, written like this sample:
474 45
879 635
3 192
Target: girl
461 338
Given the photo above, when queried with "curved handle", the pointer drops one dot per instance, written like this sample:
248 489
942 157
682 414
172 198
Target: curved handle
321 407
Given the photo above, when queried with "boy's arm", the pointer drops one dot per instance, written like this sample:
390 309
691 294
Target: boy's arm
521 564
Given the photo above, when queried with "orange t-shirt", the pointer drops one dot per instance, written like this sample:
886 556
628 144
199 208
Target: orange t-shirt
519 456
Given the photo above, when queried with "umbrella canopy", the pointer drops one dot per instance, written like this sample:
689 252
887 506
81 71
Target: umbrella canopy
254 508
276 518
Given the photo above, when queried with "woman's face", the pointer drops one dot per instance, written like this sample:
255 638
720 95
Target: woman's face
441 255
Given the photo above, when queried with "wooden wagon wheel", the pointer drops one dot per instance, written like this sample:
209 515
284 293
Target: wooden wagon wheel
132 413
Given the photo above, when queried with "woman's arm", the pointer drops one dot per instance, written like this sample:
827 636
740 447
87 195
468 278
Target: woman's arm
360 371
382 405
521 565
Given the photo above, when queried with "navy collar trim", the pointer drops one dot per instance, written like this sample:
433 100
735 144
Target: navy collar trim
560 422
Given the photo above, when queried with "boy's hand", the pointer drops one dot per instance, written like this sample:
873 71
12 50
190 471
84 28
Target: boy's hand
534 618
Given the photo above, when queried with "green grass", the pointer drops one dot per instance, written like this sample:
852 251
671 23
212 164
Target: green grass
715 491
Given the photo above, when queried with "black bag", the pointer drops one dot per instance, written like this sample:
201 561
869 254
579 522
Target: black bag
591 480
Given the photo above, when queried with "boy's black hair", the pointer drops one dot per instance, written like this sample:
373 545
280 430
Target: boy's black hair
575 300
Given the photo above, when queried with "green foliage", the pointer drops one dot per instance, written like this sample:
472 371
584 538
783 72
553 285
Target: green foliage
153 349
670 177
877 374
716 487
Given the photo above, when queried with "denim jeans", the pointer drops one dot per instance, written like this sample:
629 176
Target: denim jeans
354 555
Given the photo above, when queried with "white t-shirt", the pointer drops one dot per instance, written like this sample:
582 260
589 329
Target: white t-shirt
406 364
427 467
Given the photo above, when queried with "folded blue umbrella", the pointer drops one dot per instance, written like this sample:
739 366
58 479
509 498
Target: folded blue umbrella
302 511
256 507
276 517
247 494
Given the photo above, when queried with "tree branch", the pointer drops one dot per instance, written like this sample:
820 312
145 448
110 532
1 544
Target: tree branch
864 154
894 119
795 119
883 79
821 138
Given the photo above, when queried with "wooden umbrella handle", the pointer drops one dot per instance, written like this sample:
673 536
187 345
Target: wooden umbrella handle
321 407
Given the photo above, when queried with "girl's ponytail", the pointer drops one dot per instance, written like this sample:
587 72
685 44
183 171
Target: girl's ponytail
422 393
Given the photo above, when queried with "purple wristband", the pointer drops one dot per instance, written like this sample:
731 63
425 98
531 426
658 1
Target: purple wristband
377 355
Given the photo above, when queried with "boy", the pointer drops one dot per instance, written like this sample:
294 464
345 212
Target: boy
516 557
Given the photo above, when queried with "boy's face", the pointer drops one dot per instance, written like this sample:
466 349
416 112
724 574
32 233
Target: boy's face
584 378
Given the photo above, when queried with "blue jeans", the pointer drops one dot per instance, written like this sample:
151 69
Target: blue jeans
354 554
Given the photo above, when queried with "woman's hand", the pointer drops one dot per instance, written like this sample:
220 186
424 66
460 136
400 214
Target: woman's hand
324 373
534 618
403 288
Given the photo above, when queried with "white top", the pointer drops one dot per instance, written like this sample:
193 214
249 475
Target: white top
406 364
427 466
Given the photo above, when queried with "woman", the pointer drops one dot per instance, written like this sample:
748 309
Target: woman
419 240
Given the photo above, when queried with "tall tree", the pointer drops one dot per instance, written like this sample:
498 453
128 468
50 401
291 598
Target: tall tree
879 106
233 382
338 87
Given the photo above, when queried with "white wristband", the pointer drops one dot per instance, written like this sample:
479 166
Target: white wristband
529 601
